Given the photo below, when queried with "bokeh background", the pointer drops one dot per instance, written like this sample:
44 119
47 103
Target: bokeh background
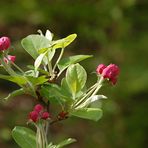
114 31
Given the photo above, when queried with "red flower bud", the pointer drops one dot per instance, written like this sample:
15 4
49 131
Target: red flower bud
113 80
100 68
34 116
45 115
38 108
4 43
63 115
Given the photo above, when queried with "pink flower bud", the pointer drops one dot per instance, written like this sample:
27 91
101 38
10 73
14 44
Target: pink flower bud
45 115
100 68
111 72
38 108
4 43
34 115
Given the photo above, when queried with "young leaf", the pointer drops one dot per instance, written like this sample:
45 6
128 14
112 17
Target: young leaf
51 145
76 78
62 43
91 100
50 54
24 137
49 35
33 43
88 113
66 142
38 60
64 63
22 81
37 80
14 94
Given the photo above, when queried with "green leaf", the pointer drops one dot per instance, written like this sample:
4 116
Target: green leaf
52 92
67 92
65 88
66 142
88 113
24 137
14 94
33 43
20 80
64 63
62 43
38 60
76 78
37 80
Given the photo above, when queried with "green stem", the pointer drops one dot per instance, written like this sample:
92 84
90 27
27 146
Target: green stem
45 68
92 87
17 67
59 73
93 91
50 68
84 98
98 86
7 67
47 128
38 138
45 137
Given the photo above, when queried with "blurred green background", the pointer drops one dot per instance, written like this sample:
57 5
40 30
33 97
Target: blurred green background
114 31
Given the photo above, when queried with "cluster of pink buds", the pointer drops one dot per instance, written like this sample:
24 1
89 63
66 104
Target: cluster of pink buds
39 113
108 72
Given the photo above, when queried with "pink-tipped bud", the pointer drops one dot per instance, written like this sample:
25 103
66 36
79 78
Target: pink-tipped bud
4 43
100 68
45 115
10 59
34 116
38 108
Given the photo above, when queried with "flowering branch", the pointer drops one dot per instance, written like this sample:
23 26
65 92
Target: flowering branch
71 94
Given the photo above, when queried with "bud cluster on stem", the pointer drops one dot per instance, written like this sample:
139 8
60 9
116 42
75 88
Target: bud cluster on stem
39 113
5 59
39 117
109 72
